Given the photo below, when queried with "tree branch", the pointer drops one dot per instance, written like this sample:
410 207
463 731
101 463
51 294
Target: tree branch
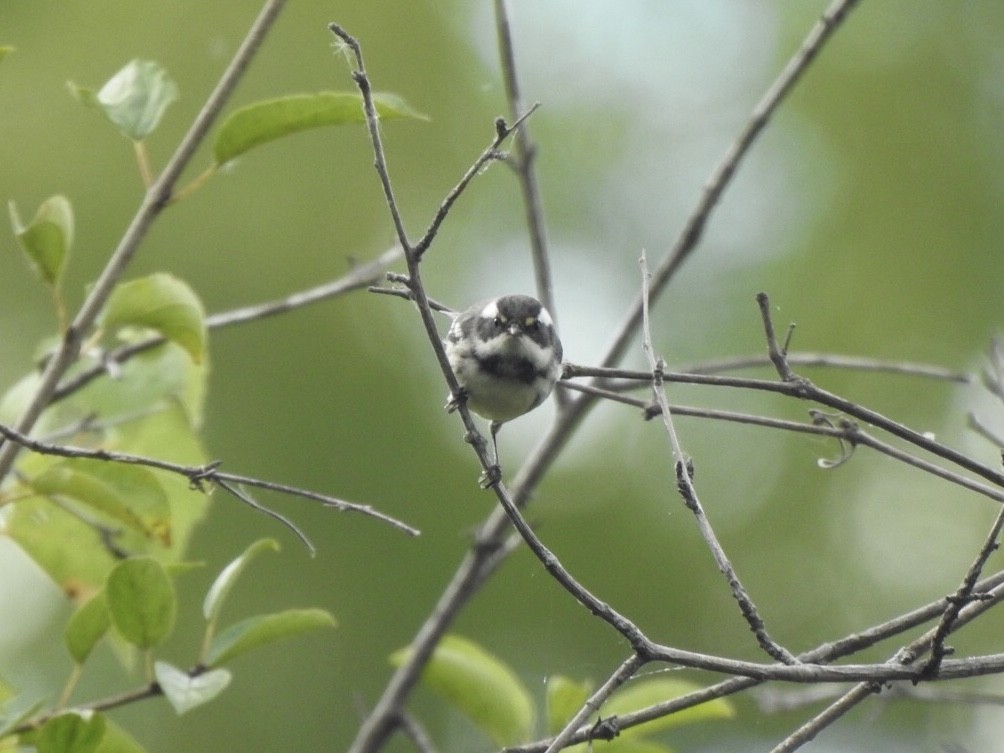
197 475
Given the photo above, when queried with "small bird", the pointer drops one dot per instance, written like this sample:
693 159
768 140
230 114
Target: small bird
506 356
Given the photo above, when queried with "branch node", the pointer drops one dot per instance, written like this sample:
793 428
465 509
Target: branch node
605 729
202 474
502 130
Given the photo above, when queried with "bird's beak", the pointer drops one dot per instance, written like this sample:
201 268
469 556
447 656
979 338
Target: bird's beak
514 329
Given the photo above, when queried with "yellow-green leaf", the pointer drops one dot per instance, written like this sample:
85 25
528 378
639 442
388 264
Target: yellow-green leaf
141 601
646 693
163 303
128 494
564 699
5 51
71 732
134 99
87 625
217 593
253 632
117 740
479 685
48 238
268 120
625 745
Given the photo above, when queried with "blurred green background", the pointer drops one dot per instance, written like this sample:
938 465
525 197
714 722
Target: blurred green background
869 211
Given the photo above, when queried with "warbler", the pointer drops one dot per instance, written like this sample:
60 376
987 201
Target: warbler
506 356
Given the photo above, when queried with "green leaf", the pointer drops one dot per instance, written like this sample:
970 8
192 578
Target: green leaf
87 625
627 745
148 382
128 494
481 686
141 601
253 632
134 99
163 303
228 576
117 740
5 51
42 529
564 699
48 238
185 692
646 693
71 733
266 121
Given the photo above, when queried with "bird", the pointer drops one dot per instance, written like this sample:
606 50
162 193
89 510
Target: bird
506 356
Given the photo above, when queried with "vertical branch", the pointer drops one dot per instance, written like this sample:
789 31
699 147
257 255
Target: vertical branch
525 151
685 484
152 205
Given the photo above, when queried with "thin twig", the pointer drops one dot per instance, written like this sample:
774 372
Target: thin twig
627 669
254 504
905 657
150 208
416 733
831 361
962 596
490 154
373 125
525 153
361 276
824 653
197 475
685 485
846 431
802 388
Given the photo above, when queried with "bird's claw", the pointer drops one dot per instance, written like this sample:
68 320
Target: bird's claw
455 400
490 477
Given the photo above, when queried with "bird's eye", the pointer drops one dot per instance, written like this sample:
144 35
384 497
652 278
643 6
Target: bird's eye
499 322
533 324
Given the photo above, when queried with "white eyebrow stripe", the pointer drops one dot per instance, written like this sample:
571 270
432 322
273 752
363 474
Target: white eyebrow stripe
490 311
545 317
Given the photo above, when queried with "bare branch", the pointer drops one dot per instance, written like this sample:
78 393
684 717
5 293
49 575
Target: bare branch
832 361
525 152
825 653
904 658
963 595
197 475
491 153
622 674
359 277
685 485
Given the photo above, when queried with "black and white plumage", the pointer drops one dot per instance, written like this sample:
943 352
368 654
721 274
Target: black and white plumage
506 356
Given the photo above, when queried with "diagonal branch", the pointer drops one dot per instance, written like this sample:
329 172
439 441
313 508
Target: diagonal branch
199 474
722 175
